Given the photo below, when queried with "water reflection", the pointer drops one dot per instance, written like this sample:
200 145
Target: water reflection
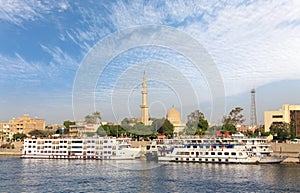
19 175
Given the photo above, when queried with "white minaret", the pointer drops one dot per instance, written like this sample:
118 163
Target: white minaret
144 106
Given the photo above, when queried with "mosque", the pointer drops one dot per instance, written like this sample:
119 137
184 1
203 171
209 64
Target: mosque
173 115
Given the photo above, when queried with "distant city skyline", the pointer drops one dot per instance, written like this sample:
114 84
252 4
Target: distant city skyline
45 45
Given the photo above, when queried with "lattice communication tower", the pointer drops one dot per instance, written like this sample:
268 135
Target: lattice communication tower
253 120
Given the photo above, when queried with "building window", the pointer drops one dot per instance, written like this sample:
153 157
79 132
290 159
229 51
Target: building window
277 116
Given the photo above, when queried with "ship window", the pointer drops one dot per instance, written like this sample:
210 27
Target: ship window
34 142
192 153
76 147
226 160
194 146
226 153
219 153
213 160
76 141
233 153
206 159
206 153
30 141
213 153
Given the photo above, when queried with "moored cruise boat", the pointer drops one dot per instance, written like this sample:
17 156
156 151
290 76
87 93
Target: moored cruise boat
213 150
80 148
219 153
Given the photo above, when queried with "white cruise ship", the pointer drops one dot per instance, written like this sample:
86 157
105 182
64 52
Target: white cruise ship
213 150
80 148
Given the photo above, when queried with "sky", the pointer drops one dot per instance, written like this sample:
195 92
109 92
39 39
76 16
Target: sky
61 60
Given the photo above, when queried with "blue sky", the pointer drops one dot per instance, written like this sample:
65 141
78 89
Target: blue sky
45 44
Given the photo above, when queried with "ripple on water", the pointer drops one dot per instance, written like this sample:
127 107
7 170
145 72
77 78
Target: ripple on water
26 175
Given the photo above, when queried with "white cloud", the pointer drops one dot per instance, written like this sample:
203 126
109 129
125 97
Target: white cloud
17 12
253 43
17 69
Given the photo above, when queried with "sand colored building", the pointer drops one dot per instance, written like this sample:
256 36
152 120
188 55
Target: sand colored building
287 114
173 116
23 124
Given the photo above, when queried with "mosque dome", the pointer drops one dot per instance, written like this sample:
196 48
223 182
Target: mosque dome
173 116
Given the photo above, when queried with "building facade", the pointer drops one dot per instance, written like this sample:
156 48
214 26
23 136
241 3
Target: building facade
287 114
24 125
173 116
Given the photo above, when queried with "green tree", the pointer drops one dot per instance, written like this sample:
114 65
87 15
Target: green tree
68 123
235 117
167 128
20 136
94 118
280 131
40 133
111 130
261 131
197 124
230 121
157 124
292 131
229 127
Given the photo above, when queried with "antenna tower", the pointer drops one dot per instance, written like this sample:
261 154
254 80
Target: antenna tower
253 120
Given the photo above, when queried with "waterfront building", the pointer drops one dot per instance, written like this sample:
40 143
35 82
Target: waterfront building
246 128
144 106
4 131
287 114
173 116
23 124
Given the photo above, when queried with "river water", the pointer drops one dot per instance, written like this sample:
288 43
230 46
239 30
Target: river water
35 175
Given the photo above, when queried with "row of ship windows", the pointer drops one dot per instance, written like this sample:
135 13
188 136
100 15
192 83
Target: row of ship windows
201 147
202 160
56 142
208 153
57 147
105 152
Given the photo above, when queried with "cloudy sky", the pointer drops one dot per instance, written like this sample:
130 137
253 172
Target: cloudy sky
62 60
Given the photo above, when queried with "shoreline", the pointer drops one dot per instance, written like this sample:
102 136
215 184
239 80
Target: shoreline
13 154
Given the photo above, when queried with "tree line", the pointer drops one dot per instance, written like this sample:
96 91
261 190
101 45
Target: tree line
196 125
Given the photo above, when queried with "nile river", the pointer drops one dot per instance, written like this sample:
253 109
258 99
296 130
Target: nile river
28 175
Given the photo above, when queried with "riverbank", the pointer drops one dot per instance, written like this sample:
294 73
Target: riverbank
291 151
15 152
